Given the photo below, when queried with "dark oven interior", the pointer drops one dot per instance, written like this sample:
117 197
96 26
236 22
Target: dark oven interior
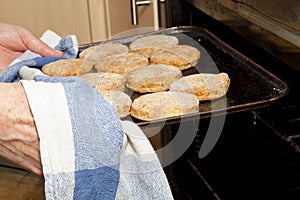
257 155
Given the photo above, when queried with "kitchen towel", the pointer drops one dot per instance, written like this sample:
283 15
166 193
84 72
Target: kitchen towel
87 152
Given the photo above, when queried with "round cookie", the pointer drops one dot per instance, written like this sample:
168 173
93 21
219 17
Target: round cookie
103 50
205 86
120 100
67 67
94 54
148 45
90 78
110 81
152 78
181 56
121 64
161 105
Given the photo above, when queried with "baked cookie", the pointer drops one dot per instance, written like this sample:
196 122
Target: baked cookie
103 50
94 54
121 64
181 56
120 100
152 78
67 67
161 105
205 86
90 78
110 81
148 45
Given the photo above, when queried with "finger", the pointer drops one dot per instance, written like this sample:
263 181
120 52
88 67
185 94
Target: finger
38 46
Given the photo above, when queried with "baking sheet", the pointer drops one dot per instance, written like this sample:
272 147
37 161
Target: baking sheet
251 86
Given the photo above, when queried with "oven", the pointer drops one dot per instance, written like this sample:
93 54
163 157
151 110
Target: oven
257 154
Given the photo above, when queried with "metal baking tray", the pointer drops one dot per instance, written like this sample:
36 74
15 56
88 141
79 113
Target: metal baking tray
251 85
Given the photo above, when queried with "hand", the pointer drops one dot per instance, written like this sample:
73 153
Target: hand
19 140
14 40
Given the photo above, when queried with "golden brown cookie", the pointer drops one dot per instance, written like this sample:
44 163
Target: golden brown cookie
121 64
161 105
66 67
148 45
110 81
94 54
205 86
181 56
103 50
91 78
152 78
120 100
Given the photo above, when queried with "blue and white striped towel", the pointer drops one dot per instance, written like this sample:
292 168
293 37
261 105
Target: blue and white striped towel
87 152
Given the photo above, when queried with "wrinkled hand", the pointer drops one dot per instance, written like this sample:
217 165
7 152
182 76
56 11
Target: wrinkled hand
19 140
14 40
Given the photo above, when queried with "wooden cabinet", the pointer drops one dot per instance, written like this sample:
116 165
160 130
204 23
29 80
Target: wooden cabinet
113 18
119 17
62 16
89 20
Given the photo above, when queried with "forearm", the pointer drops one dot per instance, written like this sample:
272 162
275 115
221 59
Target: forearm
18 136
14 108
12 101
